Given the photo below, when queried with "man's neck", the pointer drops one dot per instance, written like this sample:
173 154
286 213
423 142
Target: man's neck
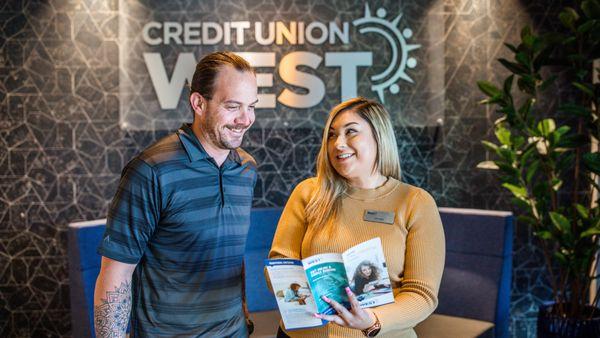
219 155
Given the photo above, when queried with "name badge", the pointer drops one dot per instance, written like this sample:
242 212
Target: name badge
386 217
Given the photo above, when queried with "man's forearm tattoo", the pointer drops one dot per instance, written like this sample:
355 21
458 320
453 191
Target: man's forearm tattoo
112 316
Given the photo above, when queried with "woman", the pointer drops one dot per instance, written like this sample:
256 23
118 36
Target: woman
358 170
366 272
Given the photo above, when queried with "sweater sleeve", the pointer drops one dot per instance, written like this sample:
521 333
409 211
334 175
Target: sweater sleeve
423 267
287 242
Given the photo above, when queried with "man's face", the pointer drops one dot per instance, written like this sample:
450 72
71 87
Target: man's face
230 111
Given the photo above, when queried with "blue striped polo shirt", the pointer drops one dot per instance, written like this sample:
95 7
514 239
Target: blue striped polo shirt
183 220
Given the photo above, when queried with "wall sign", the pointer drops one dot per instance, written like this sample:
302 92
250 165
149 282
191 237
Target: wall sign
305 63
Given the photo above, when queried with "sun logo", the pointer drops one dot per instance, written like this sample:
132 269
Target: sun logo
389 30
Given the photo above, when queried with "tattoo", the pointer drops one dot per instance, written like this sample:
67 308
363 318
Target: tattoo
112 316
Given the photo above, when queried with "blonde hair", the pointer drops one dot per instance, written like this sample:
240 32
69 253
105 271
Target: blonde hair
324 205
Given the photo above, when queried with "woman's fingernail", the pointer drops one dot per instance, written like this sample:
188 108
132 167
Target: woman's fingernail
325 299
317 315
348 291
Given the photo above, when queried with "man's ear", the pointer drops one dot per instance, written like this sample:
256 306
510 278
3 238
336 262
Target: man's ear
198 103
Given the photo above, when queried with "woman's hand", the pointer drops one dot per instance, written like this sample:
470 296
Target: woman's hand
355 318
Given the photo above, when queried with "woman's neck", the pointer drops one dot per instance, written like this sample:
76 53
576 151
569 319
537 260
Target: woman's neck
371 182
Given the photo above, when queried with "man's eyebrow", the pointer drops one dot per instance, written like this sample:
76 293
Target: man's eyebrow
346 125
238 102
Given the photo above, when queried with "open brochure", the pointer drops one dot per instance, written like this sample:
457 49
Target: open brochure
299 285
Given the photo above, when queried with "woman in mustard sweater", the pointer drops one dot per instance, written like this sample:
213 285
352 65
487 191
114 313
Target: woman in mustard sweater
358 170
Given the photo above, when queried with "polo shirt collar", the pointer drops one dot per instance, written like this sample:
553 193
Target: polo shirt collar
194 148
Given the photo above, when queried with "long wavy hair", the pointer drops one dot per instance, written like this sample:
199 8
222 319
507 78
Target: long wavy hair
324 205
374 271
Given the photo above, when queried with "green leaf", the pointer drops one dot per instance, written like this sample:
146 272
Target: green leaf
585 27
560 222
592 162
591 9
508 84
512 48
542 59
529 41
518 141
556 184
489 88
508 170
490 146
503 135
568 16
562 130
544 234
513 67
526 84
583 211
573 140
518 191
523 59
575 109
523 204
569 40
525 32
584 88
590 232
560 257
526 220
531 170
527 153
546 126
505 153
499 120
565 162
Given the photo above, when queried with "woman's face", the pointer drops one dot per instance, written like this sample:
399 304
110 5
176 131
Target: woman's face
352 148
366 270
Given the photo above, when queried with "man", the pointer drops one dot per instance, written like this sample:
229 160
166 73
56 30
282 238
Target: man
176 229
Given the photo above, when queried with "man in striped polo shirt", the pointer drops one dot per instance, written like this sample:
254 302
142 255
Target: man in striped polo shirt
176 229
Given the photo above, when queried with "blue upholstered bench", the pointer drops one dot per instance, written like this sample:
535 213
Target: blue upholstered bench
84 267
474 294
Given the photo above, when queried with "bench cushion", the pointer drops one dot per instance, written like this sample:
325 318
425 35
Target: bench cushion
441 326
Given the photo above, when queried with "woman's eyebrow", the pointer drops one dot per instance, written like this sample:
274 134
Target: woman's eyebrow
344 126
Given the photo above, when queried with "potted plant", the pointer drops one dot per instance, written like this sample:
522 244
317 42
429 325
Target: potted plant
548 158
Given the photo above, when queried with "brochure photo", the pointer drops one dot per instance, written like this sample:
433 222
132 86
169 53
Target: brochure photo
367 271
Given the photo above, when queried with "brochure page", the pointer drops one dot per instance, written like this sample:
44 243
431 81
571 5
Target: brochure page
294 298
327 277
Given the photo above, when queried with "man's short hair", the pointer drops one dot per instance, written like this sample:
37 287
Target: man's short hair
208 68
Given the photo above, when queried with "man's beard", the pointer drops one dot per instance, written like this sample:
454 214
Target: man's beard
219 138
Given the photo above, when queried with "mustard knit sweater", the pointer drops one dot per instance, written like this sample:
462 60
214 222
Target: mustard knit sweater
414 249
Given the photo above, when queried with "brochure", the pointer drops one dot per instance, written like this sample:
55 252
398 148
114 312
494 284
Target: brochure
299 285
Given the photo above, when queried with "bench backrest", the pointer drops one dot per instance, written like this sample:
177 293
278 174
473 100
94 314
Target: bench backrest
478 270
475 284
